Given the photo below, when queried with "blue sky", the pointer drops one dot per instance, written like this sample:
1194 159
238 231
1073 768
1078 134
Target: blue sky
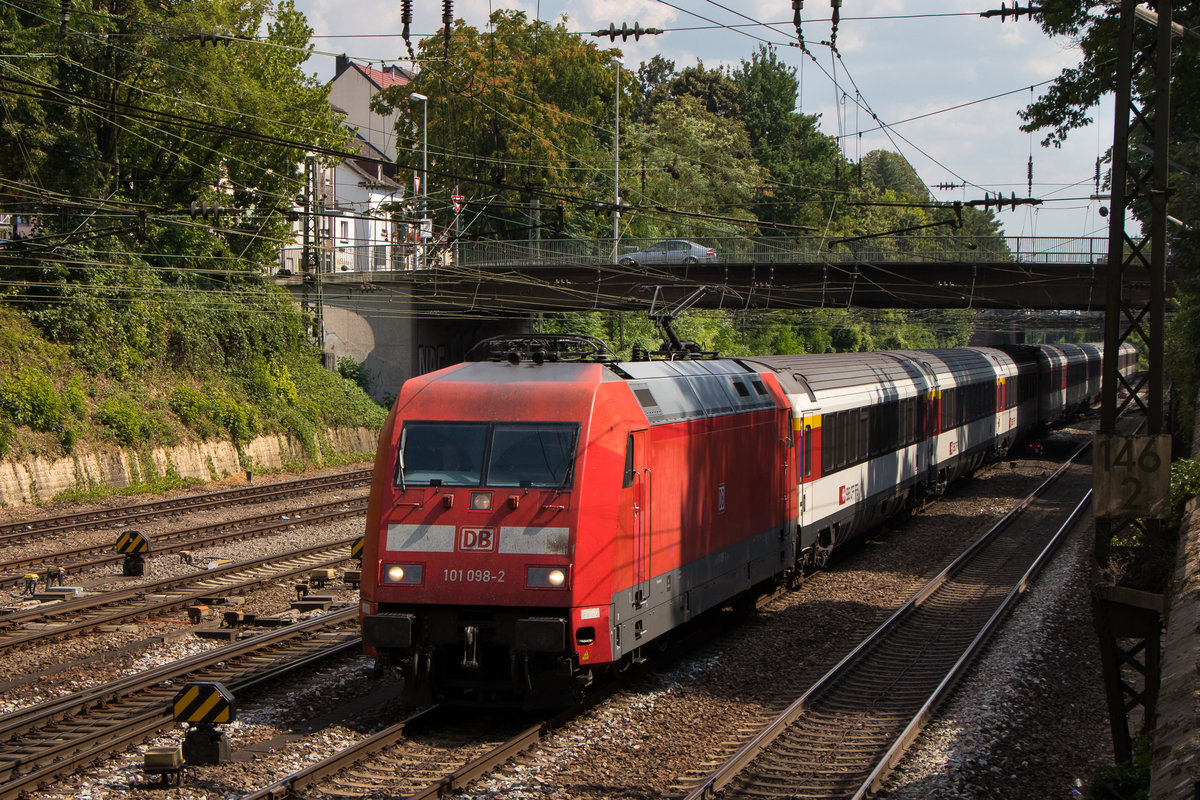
907 59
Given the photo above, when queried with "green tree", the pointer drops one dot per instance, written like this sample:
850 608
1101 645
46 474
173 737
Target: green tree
887 170
714 88
1067 106
800 161
112 140
695 162
524 110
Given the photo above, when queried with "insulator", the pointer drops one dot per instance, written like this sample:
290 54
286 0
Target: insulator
406 15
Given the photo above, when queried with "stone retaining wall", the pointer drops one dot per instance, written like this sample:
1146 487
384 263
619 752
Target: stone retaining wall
40 479
1175 759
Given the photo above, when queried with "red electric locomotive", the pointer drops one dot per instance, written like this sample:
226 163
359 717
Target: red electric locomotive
532 522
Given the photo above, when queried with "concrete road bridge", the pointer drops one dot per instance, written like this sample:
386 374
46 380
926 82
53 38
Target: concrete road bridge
482 278
402 313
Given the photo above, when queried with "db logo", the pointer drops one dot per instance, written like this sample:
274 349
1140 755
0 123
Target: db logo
477 539
841 495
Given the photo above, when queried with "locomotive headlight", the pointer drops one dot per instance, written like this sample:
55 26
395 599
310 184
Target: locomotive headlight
545 577
404 574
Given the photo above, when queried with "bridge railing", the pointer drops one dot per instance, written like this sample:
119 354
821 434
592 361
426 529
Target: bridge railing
729 250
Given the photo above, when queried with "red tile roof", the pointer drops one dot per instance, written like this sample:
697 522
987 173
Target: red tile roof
388 76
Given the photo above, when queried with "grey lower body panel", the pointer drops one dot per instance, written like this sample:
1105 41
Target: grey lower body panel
672 598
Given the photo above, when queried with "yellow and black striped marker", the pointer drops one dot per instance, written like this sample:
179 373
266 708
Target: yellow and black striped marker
133 543
204 702
356 549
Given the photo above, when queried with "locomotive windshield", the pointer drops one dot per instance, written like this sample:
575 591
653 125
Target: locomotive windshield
502 454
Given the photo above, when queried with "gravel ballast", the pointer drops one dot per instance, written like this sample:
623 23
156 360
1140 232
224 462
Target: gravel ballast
1029 721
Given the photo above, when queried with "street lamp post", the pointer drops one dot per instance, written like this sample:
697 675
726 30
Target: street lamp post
424 169
617 170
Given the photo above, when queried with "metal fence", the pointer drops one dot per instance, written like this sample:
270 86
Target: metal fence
729 250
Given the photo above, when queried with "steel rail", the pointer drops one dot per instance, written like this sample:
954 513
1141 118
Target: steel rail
896 752
720 778
23 772
176 541
292 785
85 520
151 607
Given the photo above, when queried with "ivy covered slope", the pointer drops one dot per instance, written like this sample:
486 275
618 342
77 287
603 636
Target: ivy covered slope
209 369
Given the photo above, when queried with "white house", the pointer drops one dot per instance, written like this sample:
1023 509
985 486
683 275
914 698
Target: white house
352 89
357 231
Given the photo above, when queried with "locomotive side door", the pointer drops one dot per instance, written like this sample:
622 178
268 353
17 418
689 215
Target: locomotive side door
640 478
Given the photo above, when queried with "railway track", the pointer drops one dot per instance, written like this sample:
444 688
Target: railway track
74 617
82 558
842 737
46 742
429 755
87 520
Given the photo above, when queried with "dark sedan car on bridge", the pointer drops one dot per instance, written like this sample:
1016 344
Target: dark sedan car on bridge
671 251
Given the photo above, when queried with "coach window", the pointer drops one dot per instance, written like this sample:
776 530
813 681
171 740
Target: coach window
441 454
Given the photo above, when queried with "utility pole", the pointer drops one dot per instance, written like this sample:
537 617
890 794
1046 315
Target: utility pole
313 253
616 255
1131 472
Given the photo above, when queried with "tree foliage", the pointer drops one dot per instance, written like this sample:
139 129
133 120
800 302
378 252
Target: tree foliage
113 130
1068 106
111 127
519 106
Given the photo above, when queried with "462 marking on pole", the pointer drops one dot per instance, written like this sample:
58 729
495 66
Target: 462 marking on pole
1131 476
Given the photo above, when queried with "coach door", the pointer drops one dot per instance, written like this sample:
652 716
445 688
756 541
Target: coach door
808 457
640 480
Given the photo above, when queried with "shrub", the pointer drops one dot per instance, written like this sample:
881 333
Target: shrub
30 399
67 437
1185 484
240 421
75 398
351 370
126 420
189 404
270 385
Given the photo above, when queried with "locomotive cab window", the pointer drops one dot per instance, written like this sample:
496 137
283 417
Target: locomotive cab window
441 453
537 455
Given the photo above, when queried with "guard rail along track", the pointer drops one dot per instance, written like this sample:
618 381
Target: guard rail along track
843 736
73 617
189 538
45 742
85 520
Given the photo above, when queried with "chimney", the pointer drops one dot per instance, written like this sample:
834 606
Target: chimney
341 63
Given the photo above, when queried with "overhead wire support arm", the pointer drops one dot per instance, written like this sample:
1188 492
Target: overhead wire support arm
952 223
